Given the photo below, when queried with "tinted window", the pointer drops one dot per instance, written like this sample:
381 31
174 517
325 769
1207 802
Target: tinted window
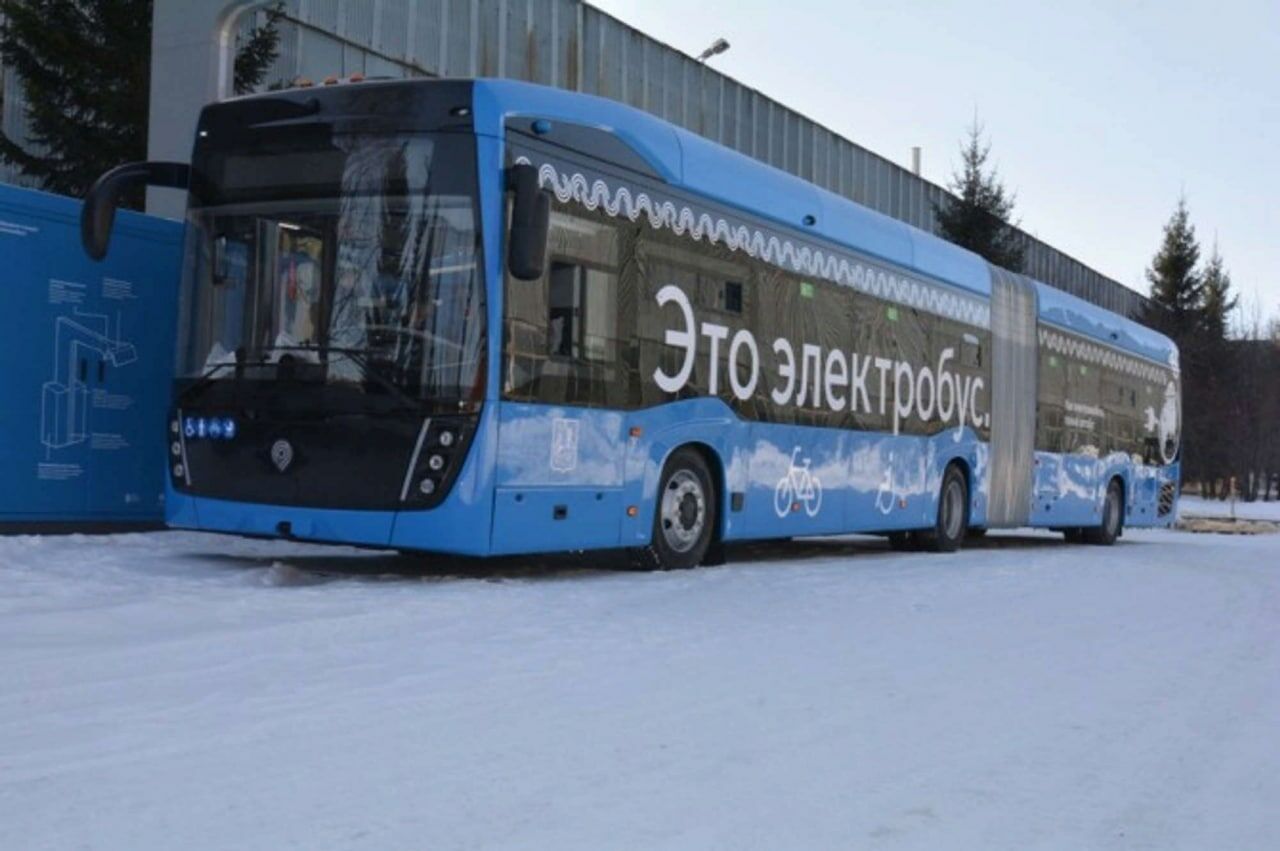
567 333
594 332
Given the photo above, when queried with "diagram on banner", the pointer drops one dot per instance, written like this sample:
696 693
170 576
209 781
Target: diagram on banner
65 400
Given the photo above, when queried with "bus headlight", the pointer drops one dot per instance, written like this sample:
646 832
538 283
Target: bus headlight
436 463
447 438
427 487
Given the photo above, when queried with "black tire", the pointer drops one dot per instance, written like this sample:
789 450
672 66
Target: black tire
904 542
949 529
976 533
716 555
1112 523
684 516
1074 535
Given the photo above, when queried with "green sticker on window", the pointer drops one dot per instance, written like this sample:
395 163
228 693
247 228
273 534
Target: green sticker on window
1084 370
892 313
1053 360
806 289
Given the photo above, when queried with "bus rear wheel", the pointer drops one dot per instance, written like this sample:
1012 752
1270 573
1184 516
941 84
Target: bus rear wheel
949 530
1106 532
684 517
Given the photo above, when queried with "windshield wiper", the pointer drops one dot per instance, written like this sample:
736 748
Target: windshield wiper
204 380
361 359
356 356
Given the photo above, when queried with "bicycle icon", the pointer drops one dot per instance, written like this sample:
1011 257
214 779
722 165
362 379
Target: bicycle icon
798 487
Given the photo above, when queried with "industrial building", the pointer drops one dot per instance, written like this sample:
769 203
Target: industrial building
565 43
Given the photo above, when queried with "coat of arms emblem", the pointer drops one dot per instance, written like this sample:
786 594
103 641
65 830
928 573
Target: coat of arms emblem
564 445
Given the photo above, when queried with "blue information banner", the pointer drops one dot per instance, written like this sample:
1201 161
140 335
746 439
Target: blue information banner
86 356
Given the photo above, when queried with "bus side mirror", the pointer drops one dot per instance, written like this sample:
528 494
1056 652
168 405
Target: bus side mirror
530 222
100 204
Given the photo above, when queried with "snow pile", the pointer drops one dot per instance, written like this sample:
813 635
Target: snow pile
176 690
1194 506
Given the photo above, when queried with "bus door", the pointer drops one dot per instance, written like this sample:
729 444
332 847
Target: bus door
561 442
1013 398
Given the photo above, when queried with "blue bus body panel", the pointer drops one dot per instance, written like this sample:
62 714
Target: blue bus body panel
1065 490
588 463
370 528
87 363
652 138
1069 490
1079 316
559 478
944 261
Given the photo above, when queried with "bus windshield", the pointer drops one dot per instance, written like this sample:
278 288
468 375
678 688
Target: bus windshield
337 259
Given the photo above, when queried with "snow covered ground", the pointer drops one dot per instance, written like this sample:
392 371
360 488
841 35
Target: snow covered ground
1194 506
176 690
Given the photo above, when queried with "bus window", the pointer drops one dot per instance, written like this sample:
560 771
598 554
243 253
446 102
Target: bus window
1085 421
564 340
1049 417
971 351
299 260
582 313
731 297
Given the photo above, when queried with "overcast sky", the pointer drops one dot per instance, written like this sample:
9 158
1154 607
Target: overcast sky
1099 112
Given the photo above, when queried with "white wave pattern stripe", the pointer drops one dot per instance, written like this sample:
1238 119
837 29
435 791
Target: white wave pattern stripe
1101 356
596 195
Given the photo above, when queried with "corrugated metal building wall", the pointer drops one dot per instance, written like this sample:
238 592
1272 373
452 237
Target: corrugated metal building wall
570 44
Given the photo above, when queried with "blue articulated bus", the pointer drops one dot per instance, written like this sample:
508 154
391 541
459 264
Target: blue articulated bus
484 317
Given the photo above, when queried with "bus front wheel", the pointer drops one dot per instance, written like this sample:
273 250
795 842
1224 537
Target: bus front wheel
684 518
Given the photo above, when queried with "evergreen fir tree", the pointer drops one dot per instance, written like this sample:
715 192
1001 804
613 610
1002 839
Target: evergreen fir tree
86 68
1217 302
1177 288
1177 294
259 50
976 215
1214 369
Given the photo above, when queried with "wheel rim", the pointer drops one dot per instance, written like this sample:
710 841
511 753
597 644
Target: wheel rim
953 510
684 511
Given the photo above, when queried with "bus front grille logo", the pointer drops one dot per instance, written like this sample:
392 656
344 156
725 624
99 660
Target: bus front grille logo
282 454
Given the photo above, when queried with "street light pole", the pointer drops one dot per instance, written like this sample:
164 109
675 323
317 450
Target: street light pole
717 47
